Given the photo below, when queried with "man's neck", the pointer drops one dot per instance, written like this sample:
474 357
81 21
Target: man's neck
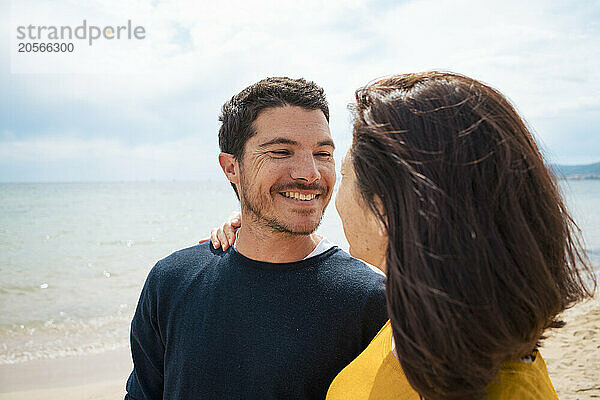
266 245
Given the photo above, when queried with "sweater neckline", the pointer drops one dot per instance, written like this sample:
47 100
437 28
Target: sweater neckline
289 266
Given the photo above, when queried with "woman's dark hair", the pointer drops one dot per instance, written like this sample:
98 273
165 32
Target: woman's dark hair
482 253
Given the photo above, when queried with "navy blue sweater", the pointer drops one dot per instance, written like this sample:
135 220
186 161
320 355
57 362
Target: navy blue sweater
218 325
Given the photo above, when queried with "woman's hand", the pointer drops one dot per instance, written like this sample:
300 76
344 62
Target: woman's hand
224 236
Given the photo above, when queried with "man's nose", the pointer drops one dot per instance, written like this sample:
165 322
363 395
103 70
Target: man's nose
305 169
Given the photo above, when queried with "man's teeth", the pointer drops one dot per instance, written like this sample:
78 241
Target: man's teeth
299 196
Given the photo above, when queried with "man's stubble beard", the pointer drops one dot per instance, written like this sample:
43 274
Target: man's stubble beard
256 207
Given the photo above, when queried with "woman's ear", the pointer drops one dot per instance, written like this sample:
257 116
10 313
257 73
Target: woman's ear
230 166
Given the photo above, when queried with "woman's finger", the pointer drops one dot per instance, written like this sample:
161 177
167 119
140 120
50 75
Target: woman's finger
235 219
229 231
223 239
214 238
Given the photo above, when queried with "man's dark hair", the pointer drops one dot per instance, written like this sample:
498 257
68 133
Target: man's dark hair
239 113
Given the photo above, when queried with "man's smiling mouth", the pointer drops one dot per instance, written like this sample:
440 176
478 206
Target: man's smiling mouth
299 196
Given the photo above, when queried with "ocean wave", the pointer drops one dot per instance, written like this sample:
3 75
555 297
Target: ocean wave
19 290
62 338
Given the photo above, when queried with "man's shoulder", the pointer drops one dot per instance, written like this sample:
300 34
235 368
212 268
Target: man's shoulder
186 261
345 264
357 289
343 270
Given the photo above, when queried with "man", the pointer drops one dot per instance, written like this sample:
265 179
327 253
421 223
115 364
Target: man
279 315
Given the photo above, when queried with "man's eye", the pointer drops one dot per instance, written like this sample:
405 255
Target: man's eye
324 154
279 153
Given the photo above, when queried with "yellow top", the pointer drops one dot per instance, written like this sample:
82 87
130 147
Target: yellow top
376 374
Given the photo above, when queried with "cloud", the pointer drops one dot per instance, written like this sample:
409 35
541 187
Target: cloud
542 54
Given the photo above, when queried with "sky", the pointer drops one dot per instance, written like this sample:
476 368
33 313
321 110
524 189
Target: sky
148 109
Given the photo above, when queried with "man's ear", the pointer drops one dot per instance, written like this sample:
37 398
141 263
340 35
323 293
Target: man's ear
230 166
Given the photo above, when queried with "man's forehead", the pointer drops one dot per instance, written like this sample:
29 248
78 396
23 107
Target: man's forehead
294 122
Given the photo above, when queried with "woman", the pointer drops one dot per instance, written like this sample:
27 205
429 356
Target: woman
445 190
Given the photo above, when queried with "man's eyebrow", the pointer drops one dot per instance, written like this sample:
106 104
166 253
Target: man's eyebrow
281 140
278 140
327 142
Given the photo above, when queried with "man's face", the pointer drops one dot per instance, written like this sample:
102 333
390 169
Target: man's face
287 172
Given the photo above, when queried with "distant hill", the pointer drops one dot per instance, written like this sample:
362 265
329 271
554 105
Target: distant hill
588 171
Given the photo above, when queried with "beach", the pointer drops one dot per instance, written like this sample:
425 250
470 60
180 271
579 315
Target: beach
572 354
87 377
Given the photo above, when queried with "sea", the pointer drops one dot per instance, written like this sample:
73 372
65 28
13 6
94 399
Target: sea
74 256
